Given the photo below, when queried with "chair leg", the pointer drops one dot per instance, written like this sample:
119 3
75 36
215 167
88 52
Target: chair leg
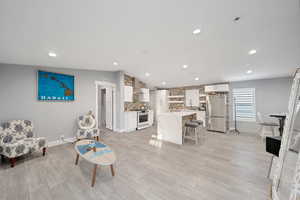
12 162
199 131
184 132
270 167
77 158
94 175
44 151
260 131
112 170
263 132
196 134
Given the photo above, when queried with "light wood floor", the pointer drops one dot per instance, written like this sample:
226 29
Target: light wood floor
221 167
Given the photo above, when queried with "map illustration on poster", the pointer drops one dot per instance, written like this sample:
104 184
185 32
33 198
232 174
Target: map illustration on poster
55 86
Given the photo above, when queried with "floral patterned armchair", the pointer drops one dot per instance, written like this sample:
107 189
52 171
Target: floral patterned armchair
16 139
87 127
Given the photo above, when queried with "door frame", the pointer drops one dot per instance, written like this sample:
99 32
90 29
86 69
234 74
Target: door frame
104 84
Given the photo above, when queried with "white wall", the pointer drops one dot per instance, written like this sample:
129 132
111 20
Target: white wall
272 96
18 99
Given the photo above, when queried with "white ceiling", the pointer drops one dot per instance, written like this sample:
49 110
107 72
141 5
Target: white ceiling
155 36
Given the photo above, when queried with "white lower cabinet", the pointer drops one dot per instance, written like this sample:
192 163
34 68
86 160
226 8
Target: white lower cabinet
130 121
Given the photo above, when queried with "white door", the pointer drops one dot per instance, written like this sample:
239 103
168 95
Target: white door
109 108
102 109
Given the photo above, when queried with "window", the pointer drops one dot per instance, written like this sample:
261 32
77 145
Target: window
244 104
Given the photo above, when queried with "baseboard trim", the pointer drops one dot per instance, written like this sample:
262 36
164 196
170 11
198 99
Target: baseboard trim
60 142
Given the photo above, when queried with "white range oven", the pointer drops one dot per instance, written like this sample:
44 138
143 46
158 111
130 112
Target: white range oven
142 119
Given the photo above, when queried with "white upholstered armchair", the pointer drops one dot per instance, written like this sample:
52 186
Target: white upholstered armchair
87 127
17 139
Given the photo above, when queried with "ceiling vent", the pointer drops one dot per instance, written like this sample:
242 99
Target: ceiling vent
238 18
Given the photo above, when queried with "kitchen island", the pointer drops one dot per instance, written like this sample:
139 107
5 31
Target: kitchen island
170 125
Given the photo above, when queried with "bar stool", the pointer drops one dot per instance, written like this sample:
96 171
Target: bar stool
200 122
200 127
191 127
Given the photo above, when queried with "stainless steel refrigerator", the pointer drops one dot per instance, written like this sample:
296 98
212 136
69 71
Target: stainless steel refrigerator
217 112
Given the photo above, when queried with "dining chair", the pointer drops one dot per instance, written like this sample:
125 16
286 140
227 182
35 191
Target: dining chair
264 126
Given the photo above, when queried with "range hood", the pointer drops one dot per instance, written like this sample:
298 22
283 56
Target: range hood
141 93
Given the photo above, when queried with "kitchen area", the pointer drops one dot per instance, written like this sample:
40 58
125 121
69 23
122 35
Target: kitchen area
169 109
137 111
177 106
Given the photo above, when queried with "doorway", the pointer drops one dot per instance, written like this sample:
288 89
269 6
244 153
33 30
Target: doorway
105 105
102 108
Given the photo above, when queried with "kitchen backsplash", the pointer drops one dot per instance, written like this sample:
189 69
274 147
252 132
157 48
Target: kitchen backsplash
137 85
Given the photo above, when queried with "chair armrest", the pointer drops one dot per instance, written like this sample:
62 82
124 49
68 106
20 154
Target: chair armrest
41 142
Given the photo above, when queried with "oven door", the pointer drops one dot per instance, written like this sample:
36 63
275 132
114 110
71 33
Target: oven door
143 117
143 120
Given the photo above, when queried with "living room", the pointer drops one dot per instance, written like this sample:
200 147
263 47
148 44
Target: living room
149 100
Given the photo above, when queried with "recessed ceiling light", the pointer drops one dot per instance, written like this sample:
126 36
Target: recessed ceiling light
196 31
115 63
147 74
52 54
185 66
197 79
164 83
249 71
252 52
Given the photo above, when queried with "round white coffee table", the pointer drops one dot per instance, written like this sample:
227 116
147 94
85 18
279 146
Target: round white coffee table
97 153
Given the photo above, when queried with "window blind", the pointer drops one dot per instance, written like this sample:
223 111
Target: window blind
244 104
